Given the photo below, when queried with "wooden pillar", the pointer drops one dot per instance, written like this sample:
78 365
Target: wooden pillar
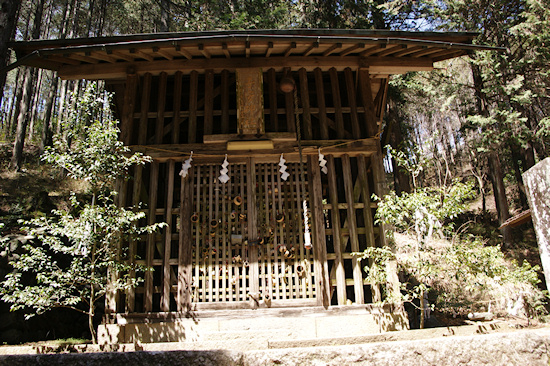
380 187
367 216
208 102
145 99
185 252
159 131
127 120
254 281
352 226
150 251
250 108
304 98
168 237
537 185
318 232
176 120
368 102
336 237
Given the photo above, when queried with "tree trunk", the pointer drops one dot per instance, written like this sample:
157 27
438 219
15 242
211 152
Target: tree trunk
48 110
22 121
8 20
499 190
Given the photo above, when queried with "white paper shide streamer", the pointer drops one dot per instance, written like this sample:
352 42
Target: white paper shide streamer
224 178
323 163
186 165
282 170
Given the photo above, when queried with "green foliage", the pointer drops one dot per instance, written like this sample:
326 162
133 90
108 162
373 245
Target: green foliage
76 252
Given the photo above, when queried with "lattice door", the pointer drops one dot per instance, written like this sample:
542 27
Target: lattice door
234 254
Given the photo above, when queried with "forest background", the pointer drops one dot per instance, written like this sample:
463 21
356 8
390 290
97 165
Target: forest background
483 118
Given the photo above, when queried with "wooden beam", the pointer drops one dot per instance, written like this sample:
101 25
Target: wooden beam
352 225
372 50
127 120
318 232
166 273
82 58
142 54
311 48
163 53
304 98
331 49
159 130
226 50
204 52
208 102
250 112
273 115
377 65
193 94
123 56
150 249
185 261
367 216
183 52
336 238
176 119
145 98
288 51
247 49
103 57
368 102
319 84
225 101
352 98
337 102
254 281
352 49
269 49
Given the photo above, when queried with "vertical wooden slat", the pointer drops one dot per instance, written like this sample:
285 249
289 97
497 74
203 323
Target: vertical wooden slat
127 121
168 237
136 192
337 100
273 116
336 238
367 215
210 269
153 191
176 120
193 94
289 108
198 235
304 98
352 226
368 103
318 232
244 249
208 102
185 261
321 103
352 98
277 230
252 225
216 239
159 131
300 252
145 99
225 101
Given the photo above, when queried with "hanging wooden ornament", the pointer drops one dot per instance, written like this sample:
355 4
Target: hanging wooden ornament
186 165
224 178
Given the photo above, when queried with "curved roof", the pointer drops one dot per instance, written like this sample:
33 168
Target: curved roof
387 52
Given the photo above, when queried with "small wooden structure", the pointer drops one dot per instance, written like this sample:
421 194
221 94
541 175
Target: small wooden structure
241 244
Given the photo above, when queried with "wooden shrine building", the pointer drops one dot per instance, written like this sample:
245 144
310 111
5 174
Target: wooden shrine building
251 96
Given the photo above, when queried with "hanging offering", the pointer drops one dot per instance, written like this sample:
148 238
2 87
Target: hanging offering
223 171
282 170
323 163
186 165
307 235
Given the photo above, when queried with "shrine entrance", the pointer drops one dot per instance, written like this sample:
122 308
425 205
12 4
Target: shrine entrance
248 237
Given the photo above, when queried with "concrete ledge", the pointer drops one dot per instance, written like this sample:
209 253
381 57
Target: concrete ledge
259 325
527 347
